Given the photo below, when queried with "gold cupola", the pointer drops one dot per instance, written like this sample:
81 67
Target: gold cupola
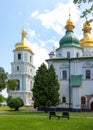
23 44
69 24
87 40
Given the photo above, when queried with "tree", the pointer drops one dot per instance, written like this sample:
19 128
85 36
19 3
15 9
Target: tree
53 87
12 84
3 78
15 103
85 3
40 86
46 86
1 98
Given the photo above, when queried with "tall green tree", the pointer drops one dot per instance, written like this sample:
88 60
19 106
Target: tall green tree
86 6
40 86
53 87
46 86
3 78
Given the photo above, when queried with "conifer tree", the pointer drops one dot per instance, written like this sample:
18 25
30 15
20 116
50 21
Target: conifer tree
40 86
46 86
53 87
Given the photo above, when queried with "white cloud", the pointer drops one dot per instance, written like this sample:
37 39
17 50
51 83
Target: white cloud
54 42
35 13
57 18
38 47
41 54
31 32
34 36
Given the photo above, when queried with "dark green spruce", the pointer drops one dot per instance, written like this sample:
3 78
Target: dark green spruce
46 87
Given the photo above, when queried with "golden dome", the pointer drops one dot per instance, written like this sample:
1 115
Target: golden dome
87 40
86 25
69 24
23 44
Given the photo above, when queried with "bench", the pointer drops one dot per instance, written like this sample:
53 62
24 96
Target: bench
65 115
53 114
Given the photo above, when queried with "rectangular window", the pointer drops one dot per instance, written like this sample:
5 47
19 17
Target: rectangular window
17 67
68 54
87 74
64 74
19 56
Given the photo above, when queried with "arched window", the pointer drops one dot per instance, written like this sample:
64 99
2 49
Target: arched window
83 100
63 99
68 54
64 74
19 56
77 54
87 74
18 86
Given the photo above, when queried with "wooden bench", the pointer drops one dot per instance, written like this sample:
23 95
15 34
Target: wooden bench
65 115
53 114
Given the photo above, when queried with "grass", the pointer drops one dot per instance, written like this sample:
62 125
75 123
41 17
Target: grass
6 108
12 120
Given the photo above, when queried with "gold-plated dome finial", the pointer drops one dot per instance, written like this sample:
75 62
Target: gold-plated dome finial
69 23
23 34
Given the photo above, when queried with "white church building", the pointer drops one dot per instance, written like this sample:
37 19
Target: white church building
23 70
73 63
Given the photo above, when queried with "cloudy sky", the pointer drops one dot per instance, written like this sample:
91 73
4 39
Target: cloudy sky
44 21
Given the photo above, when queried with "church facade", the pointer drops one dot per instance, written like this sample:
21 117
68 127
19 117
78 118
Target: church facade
23 70
73 63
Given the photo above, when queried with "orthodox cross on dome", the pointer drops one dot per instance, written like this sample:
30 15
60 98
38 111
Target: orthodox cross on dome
69 24
23 34
69 13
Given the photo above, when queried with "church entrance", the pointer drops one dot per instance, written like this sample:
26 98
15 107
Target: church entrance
91 108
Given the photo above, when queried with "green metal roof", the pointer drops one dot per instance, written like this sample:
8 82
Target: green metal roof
69 39
75 80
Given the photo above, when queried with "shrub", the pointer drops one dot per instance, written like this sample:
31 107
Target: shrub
9 97
15 103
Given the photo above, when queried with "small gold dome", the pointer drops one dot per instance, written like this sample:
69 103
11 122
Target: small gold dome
87 40
23 44
86 25
69 24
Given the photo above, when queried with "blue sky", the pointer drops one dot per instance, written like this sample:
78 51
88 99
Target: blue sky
44 21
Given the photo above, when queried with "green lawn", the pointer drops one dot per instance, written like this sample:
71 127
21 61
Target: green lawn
11 120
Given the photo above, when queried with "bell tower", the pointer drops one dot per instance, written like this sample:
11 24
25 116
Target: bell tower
23 70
